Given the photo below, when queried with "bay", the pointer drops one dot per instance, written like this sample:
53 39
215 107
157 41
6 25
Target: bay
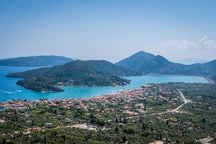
10 91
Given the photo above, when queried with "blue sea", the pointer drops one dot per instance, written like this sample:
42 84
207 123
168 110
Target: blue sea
10 91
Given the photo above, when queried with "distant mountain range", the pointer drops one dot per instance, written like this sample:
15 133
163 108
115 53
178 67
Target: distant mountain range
146 63
75 73
35 61
190 61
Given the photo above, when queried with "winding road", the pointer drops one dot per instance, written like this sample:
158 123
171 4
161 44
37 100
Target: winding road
176 110
185 102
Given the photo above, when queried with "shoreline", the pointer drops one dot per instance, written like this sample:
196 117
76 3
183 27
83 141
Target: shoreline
102 92
20 104
66 103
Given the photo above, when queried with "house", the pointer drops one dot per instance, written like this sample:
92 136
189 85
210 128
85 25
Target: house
92 127
49 125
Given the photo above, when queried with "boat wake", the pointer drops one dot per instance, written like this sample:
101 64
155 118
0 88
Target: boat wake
7 92
18 90
10 92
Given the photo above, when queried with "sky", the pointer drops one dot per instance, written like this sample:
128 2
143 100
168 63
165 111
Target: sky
108 29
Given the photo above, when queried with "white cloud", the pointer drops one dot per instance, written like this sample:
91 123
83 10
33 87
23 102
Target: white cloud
203 48
203 43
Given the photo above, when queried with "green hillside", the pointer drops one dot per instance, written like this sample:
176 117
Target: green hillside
110 68
146 63
75 73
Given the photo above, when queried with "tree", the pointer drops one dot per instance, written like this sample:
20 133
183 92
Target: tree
116 129
203 120
124 139
144 126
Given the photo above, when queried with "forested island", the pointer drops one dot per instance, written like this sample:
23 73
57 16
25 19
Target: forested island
75 73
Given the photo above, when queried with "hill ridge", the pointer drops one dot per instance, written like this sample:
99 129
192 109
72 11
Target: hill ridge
146 63
35 61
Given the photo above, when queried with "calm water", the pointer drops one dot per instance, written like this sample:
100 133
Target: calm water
10 91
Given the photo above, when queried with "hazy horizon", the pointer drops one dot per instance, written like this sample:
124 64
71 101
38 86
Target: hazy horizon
110 30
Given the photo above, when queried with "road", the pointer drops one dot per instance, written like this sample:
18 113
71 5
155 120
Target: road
185 102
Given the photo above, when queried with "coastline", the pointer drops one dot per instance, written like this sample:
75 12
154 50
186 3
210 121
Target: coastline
79 92
68 102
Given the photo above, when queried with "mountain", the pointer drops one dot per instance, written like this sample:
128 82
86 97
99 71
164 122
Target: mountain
136 61
35 61
146 63
207 69
75 73
159 64
110 68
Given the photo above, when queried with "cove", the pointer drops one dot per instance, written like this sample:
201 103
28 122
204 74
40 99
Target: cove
10 91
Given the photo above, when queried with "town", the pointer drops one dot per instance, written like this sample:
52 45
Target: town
153 111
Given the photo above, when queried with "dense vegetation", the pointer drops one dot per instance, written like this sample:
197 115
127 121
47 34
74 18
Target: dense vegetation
146 63
109 68
35 61
75 73
195 120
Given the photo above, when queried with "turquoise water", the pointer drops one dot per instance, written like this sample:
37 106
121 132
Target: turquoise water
10 91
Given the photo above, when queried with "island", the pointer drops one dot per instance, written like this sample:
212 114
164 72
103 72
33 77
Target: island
74 73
